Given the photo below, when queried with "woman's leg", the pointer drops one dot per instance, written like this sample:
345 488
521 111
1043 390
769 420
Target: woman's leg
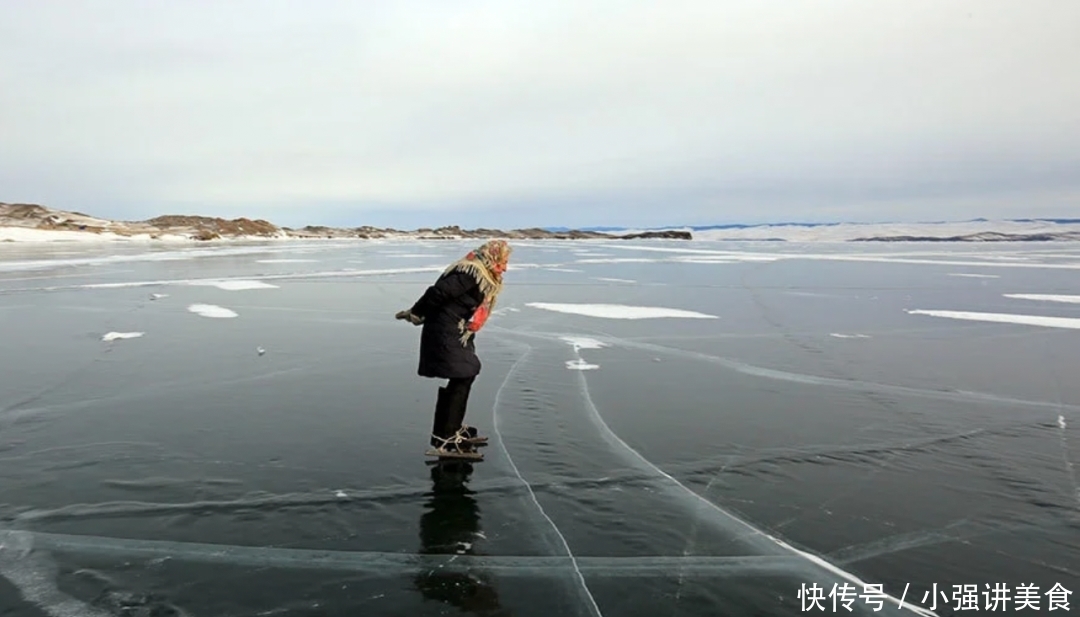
457 402
438 429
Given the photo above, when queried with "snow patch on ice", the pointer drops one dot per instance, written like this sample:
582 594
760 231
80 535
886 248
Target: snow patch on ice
1045 298
158 296
116 336
705 260
562 270
285 261
614 280
340 494
581 342
581 365
1061 422
619 311
212 311
617 260
974 276
1027 320
841 335
235 285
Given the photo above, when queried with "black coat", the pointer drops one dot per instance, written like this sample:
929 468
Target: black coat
453 298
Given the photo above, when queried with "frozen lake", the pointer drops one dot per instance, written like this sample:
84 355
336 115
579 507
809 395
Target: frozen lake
677 429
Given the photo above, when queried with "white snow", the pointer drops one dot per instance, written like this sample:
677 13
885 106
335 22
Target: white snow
158 296
1027 320
581 342
285 261
1045 298
614 280
340 494
235 285
562 270
619 311
212 311
617 260
841 335
116 336
1061 422
974 276
581 365
31 234
706 260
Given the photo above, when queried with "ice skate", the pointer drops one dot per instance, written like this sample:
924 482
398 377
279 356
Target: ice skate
473 436
455 447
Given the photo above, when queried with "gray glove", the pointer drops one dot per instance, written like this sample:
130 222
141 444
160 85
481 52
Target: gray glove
408 315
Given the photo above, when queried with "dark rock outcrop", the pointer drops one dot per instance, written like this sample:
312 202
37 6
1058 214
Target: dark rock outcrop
219 226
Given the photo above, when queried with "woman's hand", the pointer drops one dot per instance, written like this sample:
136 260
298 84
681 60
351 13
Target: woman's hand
408 315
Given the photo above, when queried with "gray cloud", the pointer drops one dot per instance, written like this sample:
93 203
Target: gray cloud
544 112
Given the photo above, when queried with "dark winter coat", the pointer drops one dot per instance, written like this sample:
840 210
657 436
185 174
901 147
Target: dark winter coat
449 301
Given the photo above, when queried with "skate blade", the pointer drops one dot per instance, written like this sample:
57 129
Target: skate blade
467 456
477 441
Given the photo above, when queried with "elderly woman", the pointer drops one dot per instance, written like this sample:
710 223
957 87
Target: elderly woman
452 311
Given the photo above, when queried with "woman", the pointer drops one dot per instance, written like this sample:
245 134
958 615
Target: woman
452 311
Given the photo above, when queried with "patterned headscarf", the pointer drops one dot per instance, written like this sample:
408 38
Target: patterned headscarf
486 264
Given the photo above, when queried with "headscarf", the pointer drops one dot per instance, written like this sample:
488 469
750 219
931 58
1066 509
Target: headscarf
486 264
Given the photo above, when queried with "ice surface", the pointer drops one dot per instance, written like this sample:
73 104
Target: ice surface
709 457
619 311
1027 320
974 276
212 311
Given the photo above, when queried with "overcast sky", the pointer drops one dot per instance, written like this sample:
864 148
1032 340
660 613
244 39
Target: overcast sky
515 113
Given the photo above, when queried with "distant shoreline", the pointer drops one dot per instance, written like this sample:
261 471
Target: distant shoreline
35 224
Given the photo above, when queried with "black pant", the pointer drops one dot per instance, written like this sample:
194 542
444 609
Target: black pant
450 408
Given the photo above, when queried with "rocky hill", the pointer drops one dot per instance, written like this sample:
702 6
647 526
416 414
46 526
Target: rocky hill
27 217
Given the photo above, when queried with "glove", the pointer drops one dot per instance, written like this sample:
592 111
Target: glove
408 315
